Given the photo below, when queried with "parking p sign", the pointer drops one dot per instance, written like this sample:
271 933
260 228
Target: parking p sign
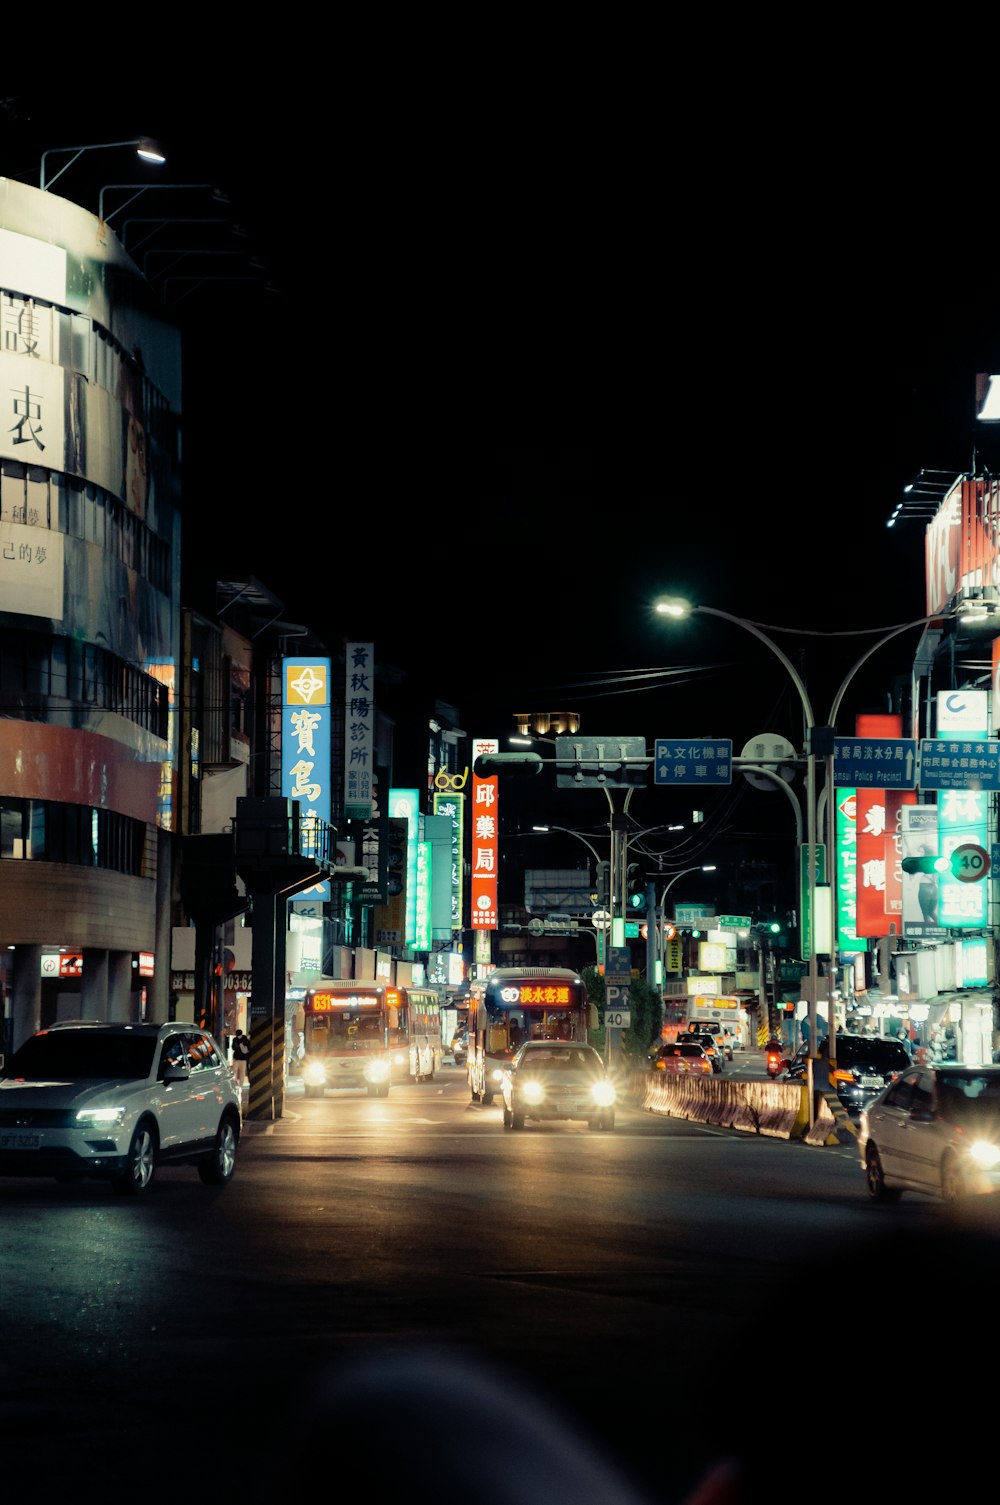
617 1006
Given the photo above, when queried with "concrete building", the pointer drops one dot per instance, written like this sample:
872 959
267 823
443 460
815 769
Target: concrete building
89 621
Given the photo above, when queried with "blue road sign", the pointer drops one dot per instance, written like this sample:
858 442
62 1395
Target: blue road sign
959 763
875 763
686 760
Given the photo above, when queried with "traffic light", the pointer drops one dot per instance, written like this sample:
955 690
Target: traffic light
968 862
603 881
925 864
507 765
635 887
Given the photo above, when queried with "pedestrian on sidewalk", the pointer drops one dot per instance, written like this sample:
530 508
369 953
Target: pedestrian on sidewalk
241 1055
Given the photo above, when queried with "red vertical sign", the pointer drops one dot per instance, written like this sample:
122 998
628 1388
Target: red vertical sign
484 844
879 843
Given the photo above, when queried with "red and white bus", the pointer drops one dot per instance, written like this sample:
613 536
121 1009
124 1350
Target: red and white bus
518 1004
366 1033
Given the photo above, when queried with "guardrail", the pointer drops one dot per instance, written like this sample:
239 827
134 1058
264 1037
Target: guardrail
779 1109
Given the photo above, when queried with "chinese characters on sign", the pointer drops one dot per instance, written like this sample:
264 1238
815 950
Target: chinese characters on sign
968 764
874 763
687 761
453 806
485 845
359 719
305 748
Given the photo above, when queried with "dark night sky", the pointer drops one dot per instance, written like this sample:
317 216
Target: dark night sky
539 354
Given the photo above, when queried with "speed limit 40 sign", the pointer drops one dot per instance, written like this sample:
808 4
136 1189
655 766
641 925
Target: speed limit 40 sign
969 862
617 1006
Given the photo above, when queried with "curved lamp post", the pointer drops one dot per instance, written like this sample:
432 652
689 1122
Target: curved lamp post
599 939
673 607
705 867
148 149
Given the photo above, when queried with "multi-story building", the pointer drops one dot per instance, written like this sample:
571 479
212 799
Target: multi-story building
89 620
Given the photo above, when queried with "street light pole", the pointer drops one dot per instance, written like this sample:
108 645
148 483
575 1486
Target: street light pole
598 859
658 916
676 608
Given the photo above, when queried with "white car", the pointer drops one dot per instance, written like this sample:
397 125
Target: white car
557 1079
88 1101
936 1129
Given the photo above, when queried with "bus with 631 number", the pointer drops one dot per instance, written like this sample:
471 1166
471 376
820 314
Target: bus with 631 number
367 1033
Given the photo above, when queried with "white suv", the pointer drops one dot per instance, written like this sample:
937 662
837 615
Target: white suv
113 1101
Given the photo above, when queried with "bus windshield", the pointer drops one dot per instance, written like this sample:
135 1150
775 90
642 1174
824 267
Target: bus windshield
519 1004
345 1028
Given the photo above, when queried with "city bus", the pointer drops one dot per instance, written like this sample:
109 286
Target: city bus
367 1033
518 1004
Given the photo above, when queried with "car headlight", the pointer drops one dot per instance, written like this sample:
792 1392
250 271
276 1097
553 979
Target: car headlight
399 1058
603 1093
984 1153
378 1070
532 1092
497 1075
106 1117
313 1073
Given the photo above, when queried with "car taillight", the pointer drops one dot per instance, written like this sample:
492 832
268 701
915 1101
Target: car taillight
842 1076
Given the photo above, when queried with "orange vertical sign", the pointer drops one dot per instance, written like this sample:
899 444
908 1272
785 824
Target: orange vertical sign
484 843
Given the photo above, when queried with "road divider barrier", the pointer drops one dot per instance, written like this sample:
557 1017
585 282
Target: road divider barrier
780 1109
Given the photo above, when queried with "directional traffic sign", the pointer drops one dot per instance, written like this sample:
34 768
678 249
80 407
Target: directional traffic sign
959 763
875 762
691 760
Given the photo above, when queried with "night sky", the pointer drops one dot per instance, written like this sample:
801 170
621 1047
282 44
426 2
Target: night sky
532 356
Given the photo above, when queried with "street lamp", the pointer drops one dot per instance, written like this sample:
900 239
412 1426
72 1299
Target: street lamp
598 930
570 832
815 738
658 919
674 607
146 148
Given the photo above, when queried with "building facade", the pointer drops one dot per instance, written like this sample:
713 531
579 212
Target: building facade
89 621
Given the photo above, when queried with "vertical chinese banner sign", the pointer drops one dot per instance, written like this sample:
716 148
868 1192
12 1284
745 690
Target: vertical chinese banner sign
305 748
359 738
453 806
484 848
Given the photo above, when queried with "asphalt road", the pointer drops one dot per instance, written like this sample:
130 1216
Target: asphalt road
632 1282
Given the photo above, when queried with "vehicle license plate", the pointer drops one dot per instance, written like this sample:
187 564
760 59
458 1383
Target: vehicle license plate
19 1141
871 1081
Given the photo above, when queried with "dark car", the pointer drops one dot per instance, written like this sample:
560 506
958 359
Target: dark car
863 1066
460 1046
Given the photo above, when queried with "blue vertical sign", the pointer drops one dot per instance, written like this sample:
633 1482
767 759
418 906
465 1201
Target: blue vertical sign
305 749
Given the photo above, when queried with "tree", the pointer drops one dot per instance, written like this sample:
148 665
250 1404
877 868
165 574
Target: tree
645 1010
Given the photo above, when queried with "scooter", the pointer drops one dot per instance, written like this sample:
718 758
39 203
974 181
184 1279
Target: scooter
775 1063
